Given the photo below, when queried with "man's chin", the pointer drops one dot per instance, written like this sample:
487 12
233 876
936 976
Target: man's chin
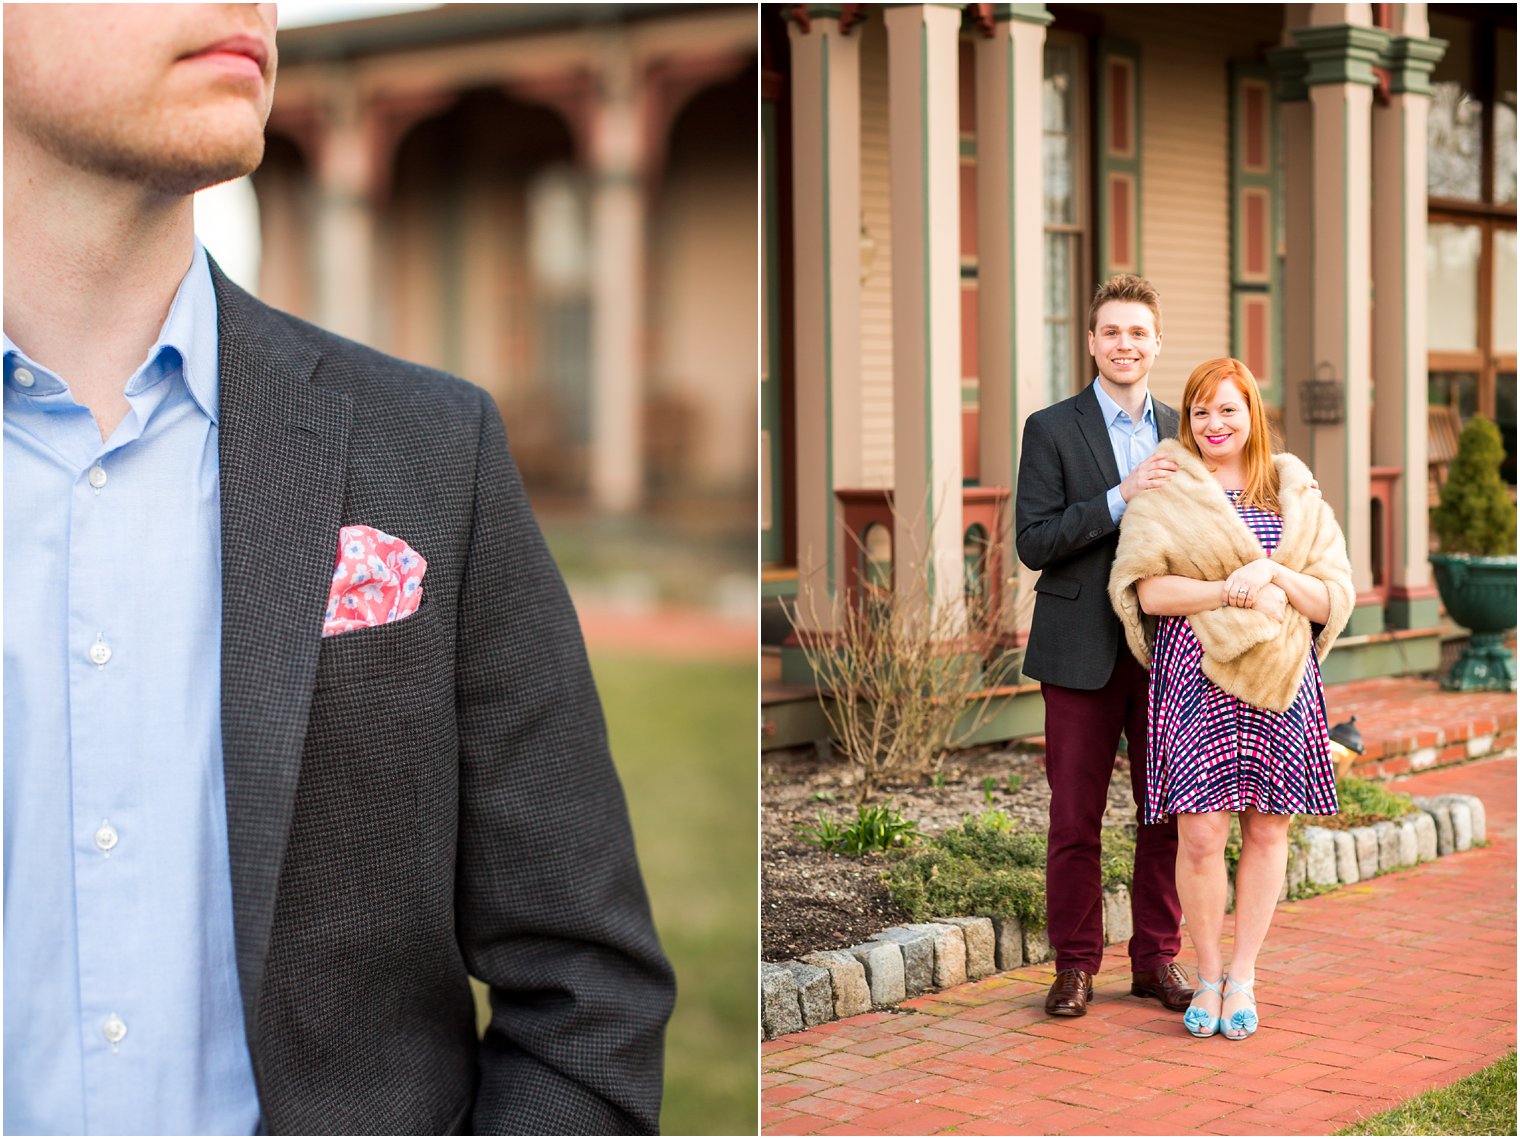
180 175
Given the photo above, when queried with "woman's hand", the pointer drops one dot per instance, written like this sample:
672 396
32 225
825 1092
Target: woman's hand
1271 600
1242 586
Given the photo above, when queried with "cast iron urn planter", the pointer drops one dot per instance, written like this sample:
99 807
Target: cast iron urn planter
1479 593
1475 570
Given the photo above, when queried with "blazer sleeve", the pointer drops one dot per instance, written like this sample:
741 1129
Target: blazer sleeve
550 907
1048 527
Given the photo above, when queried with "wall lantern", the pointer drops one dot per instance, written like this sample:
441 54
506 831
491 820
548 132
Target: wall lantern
1321 400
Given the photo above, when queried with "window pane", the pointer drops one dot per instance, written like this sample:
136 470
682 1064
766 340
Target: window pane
1060 181
1451 274
1454 129
1504 291
1058 291
1504 116
1455 136
1057 361
1457 390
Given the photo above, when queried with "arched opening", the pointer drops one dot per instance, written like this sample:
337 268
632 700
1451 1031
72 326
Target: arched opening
701 413
483 236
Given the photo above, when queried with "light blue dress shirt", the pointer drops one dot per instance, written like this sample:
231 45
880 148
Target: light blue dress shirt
1132 442
122 1007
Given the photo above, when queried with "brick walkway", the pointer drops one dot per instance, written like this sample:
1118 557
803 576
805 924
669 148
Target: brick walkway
1369 995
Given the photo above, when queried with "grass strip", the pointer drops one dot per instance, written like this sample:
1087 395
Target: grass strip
1480 1104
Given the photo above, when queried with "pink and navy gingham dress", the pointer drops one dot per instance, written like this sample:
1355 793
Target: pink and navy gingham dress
1209 751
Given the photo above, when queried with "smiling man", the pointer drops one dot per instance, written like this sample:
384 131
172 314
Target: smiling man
1083 461
299 732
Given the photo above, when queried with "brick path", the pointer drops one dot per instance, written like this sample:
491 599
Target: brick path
1369 995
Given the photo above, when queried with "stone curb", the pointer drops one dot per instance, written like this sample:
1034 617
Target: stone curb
920 957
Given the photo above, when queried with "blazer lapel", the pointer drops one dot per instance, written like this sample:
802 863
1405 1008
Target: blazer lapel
282 452
1095 431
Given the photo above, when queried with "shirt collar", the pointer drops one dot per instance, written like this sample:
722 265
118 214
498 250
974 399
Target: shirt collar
1112 410
189 331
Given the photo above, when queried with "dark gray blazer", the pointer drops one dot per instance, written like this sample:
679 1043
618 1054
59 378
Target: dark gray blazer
1063 529
413 804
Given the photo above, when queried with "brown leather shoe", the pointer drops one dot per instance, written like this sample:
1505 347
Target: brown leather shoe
1069 993
1169 985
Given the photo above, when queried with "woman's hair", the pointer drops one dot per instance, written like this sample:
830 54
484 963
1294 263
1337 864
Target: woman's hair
1261 473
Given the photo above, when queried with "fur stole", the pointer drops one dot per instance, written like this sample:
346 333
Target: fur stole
1188 527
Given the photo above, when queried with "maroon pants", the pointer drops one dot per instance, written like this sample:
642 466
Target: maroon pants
1081 742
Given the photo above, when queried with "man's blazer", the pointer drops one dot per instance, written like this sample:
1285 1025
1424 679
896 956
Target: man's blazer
1063 529
420 802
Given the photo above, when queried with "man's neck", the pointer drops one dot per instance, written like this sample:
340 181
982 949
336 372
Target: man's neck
1129 397
91 267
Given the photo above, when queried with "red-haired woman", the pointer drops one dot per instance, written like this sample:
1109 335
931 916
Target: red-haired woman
1219 574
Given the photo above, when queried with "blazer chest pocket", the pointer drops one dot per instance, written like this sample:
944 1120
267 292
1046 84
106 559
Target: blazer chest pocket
404 654
1058 586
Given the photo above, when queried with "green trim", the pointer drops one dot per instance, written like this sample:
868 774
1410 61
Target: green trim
1013 279
1288 69
828 323
1024 13
1421 613
1109 164
1410 60
928 307
772 546
1381 656
968 147
1342 53
1365 621
778 588
1241 180
1347 379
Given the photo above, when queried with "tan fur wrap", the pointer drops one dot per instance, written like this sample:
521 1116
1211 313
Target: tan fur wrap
1187 527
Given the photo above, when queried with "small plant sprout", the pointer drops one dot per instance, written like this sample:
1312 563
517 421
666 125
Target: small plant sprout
877 828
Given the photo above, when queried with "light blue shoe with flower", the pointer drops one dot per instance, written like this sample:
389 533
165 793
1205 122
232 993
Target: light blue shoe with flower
1199 1021
1242 1022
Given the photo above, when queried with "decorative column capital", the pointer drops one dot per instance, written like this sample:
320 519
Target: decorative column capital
1342 53
803 15
1021 13
1288 70
1410 60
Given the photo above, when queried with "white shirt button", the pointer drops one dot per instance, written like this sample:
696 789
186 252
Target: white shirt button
97 476
106 837
24 377
100 652
114 1029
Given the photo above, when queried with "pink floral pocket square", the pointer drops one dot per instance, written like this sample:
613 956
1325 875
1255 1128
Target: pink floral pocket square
378 580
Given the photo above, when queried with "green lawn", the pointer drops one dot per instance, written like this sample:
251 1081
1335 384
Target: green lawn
683 736
1481 1104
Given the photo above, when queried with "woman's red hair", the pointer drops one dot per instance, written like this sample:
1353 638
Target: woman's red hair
1261 474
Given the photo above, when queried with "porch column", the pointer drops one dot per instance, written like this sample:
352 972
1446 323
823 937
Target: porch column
924 177
826 295
1400 428
1298 232
617 289
1340 59
345 231
1010 66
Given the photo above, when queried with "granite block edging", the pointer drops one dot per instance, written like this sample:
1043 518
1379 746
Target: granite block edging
906 960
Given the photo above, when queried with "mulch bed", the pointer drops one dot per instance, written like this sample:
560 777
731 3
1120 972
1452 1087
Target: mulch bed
811 900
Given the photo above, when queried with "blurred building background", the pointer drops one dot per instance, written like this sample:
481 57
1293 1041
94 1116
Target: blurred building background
1325 191
558 202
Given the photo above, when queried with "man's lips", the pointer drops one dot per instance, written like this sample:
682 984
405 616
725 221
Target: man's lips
244 53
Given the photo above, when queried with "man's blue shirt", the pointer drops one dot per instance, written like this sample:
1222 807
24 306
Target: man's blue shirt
122 1006
1132 442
